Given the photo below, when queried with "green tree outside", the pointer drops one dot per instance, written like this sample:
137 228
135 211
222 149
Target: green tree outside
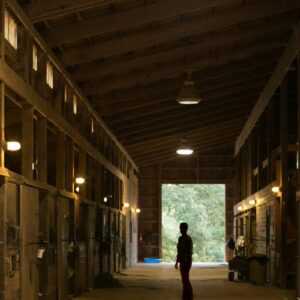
202 206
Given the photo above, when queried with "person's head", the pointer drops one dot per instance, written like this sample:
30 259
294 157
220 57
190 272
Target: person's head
183 227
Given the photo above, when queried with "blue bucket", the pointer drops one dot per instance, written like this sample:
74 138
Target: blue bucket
152 260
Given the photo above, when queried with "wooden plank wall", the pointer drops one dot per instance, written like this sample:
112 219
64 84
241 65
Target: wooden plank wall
29 223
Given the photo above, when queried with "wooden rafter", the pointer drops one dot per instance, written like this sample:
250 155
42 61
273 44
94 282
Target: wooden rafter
129 18
176 69
45 9
212 22
271 28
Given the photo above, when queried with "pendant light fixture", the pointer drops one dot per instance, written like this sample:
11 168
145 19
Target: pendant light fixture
188 93
184 148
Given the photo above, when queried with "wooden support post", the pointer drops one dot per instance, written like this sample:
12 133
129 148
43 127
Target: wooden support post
98 184
2 124
2 30
159 212
41 144
270 139
82 172
298 202
69 165
27 141
61 161
284 183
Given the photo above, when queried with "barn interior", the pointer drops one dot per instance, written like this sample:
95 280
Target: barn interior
96 99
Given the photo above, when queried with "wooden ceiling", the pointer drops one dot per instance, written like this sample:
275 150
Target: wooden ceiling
130 58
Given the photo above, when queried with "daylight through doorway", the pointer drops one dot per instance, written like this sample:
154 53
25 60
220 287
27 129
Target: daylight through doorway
202 206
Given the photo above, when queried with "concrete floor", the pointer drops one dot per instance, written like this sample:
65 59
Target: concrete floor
162 282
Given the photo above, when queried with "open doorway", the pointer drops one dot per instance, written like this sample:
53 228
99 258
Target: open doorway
202 206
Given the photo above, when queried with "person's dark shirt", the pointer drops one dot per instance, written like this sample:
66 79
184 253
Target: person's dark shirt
184 249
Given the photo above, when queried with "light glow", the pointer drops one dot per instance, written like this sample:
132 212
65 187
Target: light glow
252 202
275 189
105 199
137 210
79 180
240 208
184 151
13 146
126 205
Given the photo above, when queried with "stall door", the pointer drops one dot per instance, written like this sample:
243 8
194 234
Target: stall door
62 246
90 234
29 223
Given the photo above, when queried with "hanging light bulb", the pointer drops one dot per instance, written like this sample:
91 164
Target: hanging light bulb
188 93
184 148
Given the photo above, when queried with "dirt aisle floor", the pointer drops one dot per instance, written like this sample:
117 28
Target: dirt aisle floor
162 282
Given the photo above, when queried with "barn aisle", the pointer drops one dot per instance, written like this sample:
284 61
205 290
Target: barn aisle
162 282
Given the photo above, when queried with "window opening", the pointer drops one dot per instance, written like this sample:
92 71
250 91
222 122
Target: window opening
11 30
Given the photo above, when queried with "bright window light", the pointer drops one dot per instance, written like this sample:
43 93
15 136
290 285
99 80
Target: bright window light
66 94
92 126
49 75
74 104
11 30
34 58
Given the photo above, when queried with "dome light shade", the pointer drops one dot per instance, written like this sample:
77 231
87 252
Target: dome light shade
188 93
184 148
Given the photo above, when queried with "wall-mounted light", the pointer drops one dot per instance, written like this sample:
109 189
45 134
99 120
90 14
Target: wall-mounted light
137 210
126 204
252 202
240 208
77 189
105 199
79 180
12 146
275 189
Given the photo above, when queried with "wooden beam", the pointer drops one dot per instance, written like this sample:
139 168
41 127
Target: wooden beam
27 141
61 161
176 69
171 122
116 98
218 20
125 19
46 9
41 144
173 107
155 158
289 54
222 116
269 29
284 94
196 137
30 92
205 86
2 125
13 81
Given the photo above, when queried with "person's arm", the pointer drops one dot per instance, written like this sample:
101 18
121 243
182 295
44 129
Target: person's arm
176 263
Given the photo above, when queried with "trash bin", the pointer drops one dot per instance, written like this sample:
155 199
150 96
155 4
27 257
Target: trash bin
257 268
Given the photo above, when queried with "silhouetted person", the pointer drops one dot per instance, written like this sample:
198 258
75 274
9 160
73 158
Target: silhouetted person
184 259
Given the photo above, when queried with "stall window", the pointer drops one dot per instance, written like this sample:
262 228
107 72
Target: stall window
11 30
34 58
49 75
